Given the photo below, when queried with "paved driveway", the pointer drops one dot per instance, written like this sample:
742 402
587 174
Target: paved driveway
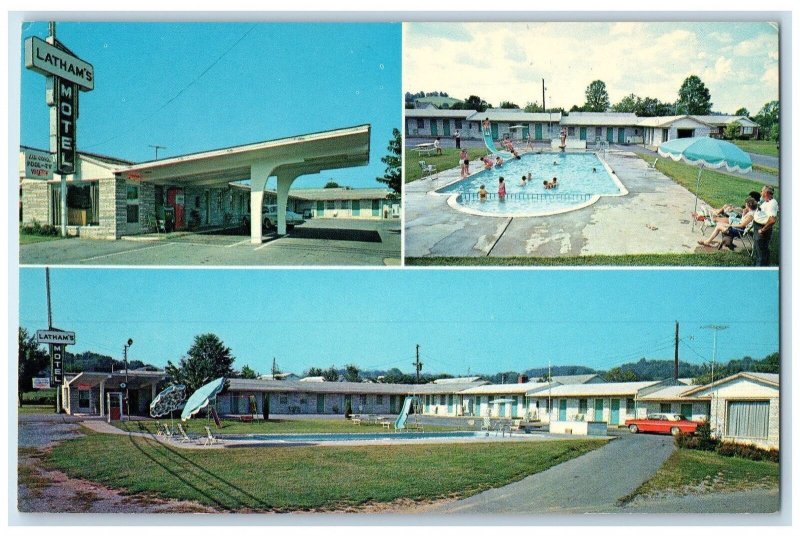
652 219
591 483
316 242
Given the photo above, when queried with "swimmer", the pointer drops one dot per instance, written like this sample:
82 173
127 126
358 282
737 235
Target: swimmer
482 193
498 161
501 189
555 163
554 183
516 156
546 185
594 170
486 125
487 162
523 182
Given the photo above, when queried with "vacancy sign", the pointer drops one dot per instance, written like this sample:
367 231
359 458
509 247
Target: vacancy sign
39 164
46 59
55 337
41 383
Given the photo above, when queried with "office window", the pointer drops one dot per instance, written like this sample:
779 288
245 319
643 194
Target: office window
571 131
583 406
630 404
598 131
330 204
379 399
363 399
458 123
420 123
665 407
748 419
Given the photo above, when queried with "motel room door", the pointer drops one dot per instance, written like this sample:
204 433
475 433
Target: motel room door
615 411
562 410
320 403
583 133
445 127
598 410
621 135
609 134
537 131
495 131
434 127
133 226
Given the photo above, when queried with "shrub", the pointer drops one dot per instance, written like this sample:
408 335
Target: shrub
701 439
35 228
746 451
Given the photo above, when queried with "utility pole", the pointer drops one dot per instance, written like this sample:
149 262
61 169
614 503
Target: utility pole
544 109
157 147
274 367
716 328
417 364
50 311
676 351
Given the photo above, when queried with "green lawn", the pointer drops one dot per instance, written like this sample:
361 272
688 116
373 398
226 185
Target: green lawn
195 426
448 159
37 409
765 169
689 468
288 479
762 147
31 239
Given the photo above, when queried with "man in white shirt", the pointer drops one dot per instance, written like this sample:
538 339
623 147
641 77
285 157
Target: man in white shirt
458 139
764 219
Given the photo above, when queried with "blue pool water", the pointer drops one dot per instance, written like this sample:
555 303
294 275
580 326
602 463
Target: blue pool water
345 437
578 184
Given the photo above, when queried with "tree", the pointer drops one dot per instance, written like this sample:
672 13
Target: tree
207 359
473 102
331 184
618 374
596 97
330 374
533 107
629 103
393 176
351 373
732 130
742 112
508 105
31 360
768 119
248 373
693 97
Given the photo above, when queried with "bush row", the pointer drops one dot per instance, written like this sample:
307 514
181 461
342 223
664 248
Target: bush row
702 440
36 228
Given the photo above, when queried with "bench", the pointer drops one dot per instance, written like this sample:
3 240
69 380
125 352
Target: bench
245 419
356 420
386 424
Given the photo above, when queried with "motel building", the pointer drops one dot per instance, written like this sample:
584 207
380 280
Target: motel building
505 123
109 198
103 394
595 127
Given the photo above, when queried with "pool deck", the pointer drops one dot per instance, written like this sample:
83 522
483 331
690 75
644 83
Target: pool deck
654 218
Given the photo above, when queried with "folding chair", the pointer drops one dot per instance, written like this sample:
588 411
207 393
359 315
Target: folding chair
426 168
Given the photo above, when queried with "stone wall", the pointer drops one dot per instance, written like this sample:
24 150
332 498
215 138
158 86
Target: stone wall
35 202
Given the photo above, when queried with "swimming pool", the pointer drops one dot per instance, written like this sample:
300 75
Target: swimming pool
582 178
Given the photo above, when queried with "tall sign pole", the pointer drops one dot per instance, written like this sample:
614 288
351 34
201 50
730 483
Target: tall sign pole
50 327
715 396
67 75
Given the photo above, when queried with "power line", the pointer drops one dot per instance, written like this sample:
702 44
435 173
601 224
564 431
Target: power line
180 92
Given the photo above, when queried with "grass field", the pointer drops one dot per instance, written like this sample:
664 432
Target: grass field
31 239
266 427
301 478
762 147
765 169
711 472
448 159
36 409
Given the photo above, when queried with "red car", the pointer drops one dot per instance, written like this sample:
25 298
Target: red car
662 423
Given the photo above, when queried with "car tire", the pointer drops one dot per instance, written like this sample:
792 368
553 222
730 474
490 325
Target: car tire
675 431
633 428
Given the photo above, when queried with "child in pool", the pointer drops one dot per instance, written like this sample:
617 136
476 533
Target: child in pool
554 183
546 185
501 189
523 182
498 162
487 162
482 193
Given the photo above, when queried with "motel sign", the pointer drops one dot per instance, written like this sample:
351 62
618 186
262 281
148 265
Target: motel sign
67 75
58 341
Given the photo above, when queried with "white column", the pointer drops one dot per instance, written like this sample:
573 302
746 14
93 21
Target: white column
284 183
102 398
259 173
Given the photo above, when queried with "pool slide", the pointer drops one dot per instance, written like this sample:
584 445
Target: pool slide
400 422
489 141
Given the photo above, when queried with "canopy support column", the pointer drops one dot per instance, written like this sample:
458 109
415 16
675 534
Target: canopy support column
259 173
285 181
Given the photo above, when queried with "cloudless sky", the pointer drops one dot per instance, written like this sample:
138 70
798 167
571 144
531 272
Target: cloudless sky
264 81
738 62
465 320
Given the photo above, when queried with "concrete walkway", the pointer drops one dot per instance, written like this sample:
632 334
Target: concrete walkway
591 483
654 218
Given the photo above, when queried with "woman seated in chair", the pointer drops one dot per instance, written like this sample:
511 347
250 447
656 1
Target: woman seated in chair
733 225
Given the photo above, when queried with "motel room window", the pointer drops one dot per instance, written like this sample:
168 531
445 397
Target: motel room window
598 132
132 197
665 407
220 201
84 398
748 419
630 404
330 205
420 123
583 406
458 124
283 399
83 204
363 399
571 131
379 399
664 135
442 400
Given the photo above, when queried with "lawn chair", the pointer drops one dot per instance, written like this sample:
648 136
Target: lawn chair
748 237
516 425
704 219
427 169
166 432
487 424
652 165
184 437
210 439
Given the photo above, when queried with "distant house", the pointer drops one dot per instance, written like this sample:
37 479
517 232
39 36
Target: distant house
280 376
744 408
439 102
747 127
590 378
358 203
612 127
673 400
657 130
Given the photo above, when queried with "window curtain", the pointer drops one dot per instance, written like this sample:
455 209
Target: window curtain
748 419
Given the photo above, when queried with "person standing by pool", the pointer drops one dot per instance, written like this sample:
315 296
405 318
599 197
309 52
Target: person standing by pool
501 190
437 145
764 219
458 139
462 159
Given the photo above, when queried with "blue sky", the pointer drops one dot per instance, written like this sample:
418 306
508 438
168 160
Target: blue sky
464 320
270 81
738 62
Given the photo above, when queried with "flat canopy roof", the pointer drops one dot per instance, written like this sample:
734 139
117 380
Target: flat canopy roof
306 154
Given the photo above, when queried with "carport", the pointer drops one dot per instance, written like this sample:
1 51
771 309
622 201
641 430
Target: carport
285 158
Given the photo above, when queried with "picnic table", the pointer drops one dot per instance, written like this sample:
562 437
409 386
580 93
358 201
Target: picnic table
424 149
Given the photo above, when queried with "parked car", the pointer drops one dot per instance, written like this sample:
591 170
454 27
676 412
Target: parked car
270 215
662 423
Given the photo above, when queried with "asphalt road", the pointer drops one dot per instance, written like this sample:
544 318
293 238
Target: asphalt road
317 242
591 483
